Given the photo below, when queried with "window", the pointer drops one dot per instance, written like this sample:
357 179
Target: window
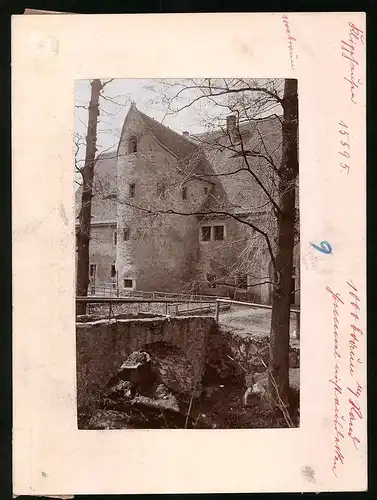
126 234
184 193
161 190
241 281
132 190
205 190
219 233
127 283
115 238
211 279
132 145
92 270
113 272
206 233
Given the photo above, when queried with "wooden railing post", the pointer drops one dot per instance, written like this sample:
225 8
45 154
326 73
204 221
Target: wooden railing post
217 310
298 325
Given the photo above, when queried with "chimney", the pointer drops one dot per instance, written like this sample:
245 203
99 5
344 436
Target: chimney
185 133
231 124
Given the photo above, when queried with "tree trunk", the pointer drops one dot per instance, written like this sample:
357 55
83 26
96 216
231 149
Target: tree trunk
83 234
281 295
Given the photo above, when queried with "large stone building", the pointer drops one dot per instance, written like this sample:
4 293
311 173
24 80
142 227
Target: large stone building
168 209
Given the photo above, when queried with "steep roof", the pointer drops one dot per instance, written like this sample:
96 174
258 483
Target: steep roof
261 141
178 144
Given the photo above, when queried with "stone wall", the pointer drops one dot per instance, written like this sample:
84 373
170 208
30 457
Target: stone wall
231 353
102 346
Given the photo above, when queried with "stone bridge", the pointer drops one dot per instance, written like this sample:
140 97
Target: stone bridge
103 345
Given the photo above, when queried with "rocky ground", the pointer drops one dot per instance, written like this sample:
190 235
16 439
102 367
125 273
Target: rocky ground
146 393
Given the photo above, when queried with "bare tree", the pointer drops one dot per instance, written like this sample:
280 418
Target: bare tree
87 174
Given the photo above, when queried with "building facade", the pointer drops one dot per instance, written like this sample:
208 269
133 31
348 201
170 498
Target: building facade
169 210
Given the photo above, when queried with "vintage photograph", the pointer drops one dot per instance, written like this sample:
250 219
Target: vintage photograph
187 253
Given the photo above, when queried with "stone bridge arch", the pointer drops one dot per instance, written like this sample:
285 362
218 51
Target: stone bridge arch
102 346
189 334
172 365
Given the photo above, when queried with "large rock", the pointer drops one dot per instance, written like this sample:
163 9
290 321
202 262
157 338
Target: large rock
169 403
136 370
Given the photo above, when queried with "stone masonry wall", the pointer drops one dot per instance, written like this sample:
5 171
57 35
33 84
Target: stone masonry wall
102 346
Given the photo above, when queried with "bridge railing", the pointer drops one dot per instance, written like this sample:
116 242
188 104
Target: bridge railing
175 306
220 301
110 290
172 306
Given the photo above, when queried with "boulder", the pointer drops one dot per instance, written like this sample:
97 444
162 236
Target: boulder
162 392
122 389
136 370
169 403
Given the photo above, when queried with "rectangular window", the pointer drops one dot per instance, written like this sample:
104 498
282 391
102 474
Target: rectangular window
115 238
126 234
211 280
127 283
132 145
92 270
206 233
219 233
113 272
241 281
184 193
132 190
161 190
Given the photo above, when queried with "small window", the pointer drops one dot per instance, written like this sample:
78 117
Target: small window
113 272
219 233
206 233
115 238
126 234
211 280
205 190
161 193
92 270
184 193
127 283
241 281
132 145
132 190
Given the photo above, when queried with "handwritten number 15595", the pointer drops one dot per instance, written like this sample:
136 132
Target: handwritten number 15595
345 145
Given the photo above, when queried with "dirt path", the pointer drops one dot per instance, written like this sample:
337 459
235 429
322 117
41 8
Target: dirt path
251 322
